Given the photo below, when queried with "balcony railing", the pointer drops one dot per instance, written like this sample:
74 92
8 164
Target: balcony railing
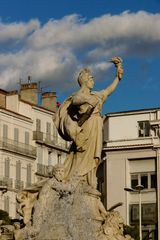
18 147
42 170
28 184
6 182
19 184
50 139
37 135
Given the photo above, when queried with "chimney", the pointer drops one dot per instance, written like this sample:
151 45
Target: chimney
3 94
29 92
49 101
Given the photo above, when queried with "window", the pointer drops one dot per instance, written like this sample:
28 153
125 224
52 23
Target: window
153 180
148 180
149 234
55 134
134 180
38 125
7 167
6 204
5 131
40 155
27 138
149 213
29 168
144 180
144 129
18 171
59 158
48 131
16 135
49 158
48 128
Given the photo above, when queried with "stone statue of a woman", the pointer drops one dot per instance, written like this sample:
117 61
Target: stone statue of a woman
79 120
67 206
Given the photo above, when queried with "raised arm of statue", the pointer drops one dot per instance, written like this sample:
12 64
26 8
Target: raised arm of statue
119 73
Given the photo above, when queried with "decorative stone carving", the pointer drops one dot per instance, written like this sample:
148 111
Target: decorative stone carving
67 206
79 120
112 228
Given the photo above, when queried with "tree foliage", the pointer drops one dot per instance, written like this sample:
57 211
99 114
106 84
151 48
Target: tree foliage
133 231
5 217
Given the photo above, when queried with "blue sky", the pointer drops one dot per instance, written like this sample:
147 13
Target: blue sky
51 40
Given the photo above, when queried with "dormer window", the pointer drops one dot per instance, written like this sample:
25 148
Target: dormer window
143 129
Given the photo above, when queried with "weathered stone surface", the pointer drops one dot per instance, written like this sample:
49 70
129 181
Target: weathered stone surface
71 212
68 206
79 120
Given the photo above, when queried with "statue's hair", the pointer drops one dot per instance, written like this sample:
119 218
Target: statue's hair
82 72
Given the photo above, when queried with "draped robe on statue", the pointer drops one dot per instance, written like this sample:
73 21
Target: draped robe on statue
85 151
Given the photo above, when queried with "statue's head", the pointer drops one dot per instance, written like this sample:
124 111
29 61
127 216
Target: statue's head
85 78
21 196
58 172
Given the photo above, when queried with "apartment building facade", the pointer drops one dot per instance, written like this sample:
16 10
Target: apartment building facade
132 157
29 142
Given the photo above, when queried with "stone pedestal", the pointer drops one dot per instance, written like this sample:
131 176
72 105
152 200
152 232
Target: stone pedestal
71 212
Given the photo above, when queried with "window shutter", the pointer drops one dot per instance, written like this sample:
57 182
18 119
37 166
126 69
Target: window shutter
29 168
5 131
18 171
27 138
38 125
6 204
16 134
7 167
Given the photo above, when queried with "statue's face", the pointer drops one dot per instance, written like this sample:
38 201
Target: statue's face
88 80
59 174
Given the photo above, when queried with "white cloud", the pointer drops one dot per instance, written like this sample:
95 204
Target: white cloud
56 50
15 31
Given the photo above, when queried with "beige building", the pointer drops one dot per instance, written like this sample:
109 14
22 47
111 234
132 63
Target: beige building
29 142
132 157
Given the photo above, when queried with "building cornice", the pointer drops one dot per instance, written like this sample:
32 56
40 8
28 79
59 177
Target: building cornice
39 108
15 114
132 112
123 147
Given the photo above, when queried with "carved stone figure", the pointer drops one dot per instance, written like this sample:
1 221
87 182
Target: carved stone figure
113 227
26 200
67 206
79 120
38 201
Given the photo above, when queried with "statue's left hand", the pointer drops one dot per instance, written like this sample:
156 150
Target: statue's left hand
120 72
118 64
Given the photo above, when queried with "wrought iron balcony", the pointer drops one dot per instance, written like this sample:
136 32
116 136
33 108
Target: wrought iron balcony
28 184
19 184
37 135
18 147
49 139
6 182
42 170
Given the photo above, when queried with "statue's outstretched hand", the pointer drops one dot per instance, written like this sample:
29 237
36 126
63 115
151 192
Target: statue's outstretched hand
118 64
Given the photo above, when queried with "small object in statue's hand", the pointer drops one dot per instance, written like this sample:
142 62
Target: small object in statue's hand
118 63
116 60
